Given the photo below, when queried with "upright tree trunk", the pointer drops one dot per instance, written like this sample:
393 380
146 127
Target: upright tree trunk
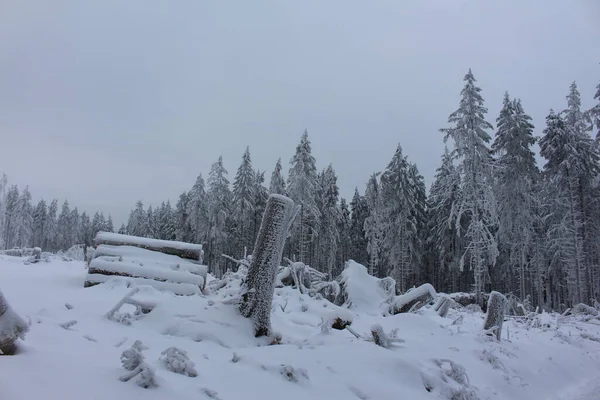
258 292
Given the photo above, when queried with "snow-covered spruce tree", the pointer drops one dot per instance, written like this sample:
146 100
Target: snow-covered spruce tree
477 204
3 185
329 236
12 327
25 219
443 240
373 224
137 224
418 219
359 212
74 221
261 195
219 207
595 112
85 230
244 194
403 198
176 360
301 188
344 229
63 227
198 210
277 185
572 163
109 227
40 224
51 232
257 293
495 313
183 230
11 217
515 173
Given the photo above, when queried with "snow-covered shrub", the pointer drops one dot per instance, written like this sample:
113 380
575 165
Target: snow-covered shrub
133 361
414 298
176 360
12 327
327 290
257 293
75 253
293 374
585 309
379 336
495 314
133 357
450 383
340 318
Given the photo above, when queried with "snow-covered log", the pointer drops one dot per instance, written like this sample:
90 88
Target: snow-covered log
465 299
257 293
443 305
585 309
12 327
184 250
22 252
415 297
495 314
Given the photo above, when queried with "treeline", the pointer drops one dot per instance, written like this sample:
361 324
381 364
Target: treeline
44 225
492 219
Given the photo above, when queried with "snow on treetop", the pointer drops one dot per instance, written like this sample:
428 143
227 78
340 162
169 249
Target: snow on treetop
282 198
140 241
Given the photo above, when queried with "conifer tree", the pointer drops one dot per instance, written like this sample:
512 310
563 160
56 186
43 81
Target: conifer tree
329 224
63 227
359 212
25 219
11 217
516 174
40 224
219 200
444 240
244 199
198 213
137 224
373 224
277 185
261 195
183 231
345 245
52 231
302 187
477 204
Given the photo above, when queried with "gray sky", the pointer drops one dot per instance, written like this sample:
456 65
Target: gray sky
106 102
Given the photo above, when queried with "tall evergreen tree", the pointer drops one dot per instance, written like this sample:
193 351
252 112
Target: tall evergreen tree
25 219
109 225
344 229
52 242
11 217
373 224
516 174
359 212
63 227
261 195
219 200
277 185
444 240
244 198
330 218
198 212
302 187
183 230
477 203
137 224
40 224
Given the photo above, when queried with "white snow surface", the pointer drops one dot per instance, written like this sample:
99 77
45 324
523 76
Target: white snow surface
554 362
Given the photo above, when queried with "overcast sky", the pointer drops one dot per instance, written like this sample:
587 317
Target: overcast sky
106 102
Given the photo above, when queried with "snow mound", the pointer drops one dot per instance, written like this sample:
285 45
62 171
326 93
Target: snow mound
363 292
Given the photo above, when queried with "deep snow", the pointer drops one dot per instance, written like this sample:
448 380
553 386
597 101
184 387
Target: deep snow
83 361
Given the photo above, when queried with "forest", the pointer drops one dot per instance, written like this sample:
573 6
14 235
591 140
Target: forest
492 219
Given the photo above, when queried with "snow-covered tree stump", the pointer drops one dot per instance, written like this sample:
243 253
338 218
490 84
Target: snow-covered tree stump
257 294
12 327
495 314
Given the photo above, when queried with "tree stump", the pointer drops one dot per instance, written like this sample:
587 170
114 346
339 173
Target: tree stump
257 294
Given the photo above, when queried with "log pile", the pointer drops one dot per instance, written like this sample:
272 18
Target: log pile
164 265
184 250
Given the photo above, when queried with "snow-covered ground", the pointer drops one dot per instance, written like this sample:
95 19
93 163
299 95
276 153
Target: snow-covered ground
555 362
